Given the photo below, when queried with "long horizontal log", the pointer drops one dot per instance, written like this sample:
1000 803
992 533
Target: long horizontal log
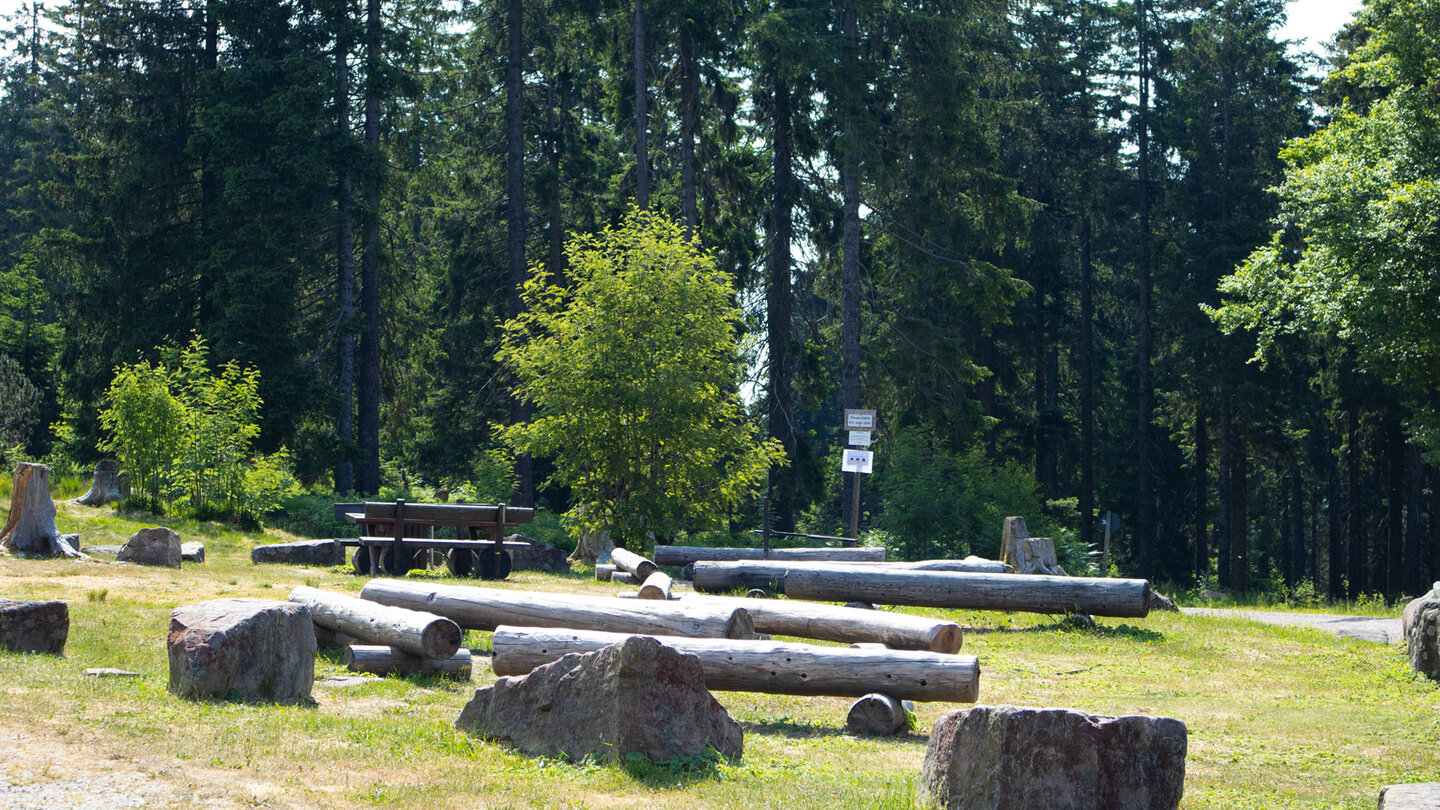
632 564
1033 593
793 617
487 608
770 575
684 555
767 666
409 628
382 660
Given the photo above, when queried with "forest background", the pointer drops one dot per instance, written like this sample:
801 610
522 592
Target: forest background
998 224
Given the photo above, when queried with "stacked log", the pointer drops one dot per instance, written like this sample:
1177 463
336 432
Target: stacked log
684 555
421 634
633 564
487 608
900 631
723 577
767 666
656 586
1033 593
378 659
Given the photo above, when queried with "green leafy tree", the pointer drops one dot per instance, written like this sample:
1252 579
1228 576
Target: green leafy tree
145 423
631 371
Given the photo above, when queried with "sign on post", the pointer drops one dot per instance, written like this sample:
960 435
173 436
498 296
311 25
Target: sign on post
858 461
859 438
858 419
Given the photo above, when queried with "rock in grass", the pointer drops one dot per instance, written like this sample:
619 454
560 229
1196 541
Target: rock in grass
251 649
304 552
192 552
154 546
635 697
1421 796
1421 625
1009 758
34 627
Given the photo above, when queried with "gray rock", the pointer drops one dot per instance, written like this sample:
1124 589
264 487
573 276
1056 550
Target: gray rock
192 552
1407 618
635 697
1421 622
1422 796
1002 757
111 672
304 552
154 546
539 557
111 550
34 627
251 649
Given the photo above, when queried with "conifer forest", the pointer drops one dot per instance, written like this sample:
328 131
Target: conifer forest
1130 268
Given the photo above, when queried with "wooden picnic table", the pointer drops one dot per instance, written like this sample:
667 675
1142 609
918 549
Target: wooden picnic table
399 536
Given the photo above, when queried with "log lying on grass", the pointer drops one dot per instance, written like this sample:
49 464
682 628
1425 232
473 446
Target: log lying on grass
722 577
603 571
487 608
1032 593
656 586
632 564
383 660
877 714
900 631
416 632
684 555
767 666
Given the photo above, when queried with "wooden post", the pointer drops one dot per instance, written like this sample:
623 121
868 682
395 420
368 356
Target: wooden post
766 666
417 633
855 507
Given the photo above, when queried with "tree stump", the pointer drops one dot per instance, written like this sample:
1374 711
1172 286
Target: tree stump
1026 554
108 486
31 526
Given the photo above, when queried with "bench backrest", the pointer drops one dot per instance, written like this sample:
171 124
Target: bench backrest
449 514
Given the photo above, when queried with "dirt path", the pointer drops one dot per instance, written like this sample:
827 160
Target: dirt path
1364 628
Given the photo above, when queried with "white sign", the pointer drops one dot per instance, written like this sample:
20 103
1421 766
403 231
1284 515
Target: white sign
859 438
858 461
856 419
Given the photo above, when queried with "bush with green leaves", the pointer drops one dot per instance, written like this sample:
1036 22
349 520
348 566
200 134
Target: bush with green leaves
632 370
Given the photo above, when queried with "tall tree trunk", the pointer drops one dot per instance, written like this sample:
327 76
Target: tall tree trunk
1145 485
370 267
345 275
1334 525
524 494
1087 386
850 182
642 154
209 181
1297 525
555 223
1414 581
1223 524
1202 494
1239 517
1434 476
1356 533
689 111
1395 504
778 306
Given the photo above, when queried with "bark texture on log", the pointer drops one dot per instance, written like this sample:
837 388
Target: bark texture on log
603 571
767 575
684 555
487 608
385 660
418 633
30 528
1032 593
623 578
766 666
632 563
656 586
877 714
792 617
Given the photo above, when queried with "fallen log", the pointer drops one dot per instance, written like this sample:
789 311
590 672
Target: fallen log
415 632
900 631
632 563
487 608
767 666
383 660
878 715
623 578
603 571
684 555
656 586
723 577
1032 593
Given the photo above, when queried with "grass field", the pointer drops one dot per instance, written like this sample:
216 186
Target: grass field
1277 717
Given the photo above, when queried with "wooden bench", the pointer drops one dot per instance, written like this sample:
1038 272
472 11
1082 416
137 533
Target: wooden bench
399 536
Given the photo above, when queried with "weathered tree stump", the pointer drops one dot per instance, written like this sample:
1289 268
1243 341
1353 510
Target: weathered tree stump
1028 555
108 486
31 526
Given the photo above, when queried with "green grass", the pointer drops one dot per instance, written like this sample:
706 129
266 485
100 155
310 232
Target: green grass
1277 717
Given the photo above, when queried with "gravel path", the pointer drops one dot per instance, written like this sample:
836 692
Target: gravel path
1364 628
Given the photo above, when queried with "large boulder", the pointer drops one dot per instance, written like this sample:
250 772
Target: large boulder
999 757
635 697
34 627
251 649
304 552
1420 796
155 546
539 556
1420 623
